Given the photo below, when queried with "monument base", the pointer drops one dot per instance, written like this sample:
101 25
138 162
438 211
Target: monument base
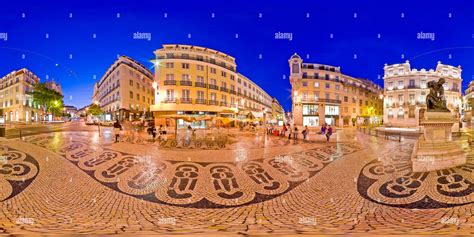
435 149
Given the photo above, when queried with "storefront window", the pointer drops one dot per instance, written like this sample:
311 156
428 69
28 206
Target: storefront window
310 109
311 121
331 110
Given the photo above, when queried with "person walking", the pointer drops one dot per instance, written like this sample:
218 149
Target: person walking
117 128
305 132
283 130
328 133
295 133
152 130
289 131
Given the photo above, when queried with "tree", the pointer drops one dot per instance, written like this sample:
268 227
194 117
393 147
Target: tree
50 101
95 110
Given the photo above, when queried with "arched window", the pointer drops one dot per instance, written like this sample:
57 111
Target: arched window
295 68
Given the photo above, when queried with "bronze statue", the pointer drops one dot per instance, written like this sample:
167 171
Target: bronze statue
435 99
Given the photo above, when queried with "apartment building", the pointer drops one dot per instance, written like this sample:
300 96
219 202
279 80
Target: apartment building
15 102
323 94
125 91
405 91
195 80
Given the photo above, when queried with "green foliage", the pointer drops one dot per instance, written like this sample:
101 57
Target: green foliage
95 110
50 100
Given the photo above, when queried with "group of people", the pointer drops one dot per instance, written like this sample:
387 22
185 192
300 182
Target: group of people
293 131
151 129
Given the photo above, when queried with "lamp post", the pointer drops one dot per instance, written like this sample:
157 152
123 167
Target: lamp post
98 122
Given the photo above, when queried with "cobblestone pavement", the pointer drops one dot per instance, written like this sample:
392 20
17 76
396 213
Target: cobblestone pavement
79 183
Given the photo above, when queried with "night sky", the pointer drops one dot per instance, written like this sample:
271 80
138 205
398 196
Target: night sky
365 36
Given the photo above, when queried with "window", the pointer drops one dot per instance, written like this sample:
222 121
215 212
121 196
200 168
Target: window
316 95
131 95
390 85
331 110
138 97
131 83
400 84
169 55
200 79
185 77
400 99
316 84
223 84
310 109
232 77
213 96
346 99
200 95
200 67
213 82
338 87
170 94
305 84
327 77
185 94
328 85
411 83
143 98
423 84
185 65
224 74
327 96
213 70
169 65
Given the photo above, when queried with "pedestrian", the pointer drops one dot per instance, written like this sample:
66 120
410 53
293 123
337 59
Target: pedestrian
323 129
289 132
328 133
283 130
305 132
152 130
295 133
117 128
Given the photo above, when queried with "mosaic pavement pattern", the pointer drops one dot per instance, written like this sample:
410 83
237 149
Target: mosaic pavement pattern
76 183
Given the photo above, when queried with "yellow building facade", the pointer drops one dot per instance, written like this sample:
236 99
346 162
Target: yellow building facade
193 80
322 94
15 102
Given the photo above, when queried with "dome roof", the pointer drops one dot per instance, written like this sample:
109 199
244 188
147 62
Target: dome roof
295 56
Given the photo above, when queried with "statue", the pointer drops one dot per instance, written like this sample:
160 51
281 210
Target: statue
434 100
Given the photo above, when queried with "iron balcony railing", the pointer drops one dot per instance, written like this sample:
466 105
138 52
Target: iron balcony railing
169 82
200 84
186 83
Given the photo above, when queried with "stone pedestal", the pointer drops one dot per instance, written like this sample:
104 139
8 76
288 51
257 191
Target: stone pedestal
435 149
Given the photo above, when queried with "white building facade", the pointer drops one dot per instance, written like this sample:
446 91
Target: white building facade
405 91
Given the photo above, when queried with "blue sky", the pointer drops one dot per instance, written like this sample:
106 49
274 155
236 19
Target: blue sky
76 60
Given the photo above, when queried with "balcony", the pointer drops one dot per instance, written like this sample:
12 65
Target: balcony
413 87
169 100
169 82
223 103
224 89
232 92
213 102
200 84
186 83
234 105
186 100
315 100
201 101
214 87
